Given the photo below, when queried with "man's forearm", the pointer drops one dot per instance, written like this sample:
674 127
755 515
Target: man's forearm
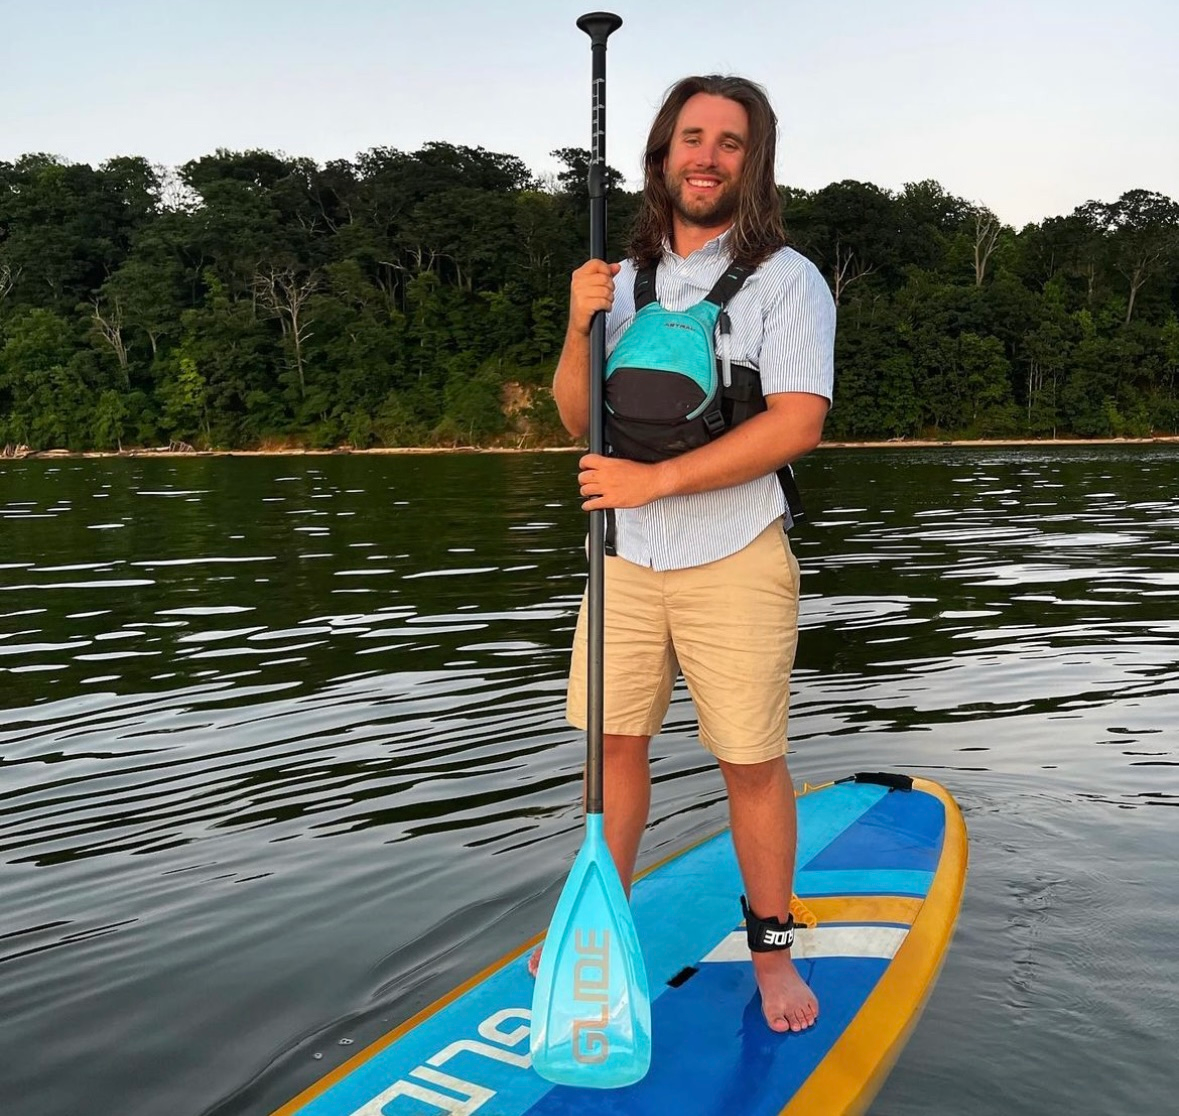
571 383
759 446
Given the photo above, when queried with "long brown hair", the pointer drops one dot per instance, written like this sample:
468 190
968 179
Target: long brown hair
757 224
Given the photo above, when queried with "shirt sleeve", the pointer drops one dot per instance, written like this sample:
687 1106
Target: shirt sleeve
798 333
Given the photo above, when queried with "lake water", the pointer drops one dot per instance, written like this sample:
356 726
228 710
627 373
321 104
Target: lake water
283 757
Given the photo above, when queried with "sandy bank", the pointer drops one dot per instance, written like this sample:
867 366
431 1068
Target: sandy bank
22 453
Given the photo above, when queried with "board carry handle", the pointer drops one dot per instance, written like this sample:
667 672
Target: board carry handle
889 779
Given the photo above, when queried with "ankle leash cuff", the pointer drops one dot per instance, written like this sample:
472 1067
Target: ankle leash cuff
767 934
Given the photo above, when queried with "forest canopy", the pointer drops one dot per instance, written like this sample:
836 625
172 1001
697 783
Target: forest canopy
250 299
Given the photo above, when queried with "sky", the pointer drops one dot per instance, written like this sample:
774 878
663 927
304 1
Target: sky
1030 107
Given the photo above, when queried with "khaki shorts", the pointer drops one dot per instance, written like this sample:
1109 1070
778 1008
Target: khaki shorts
730 626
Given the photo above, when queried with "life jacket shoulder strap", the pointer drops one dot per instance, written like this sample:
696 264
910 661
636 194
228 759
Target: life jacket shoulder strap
644 287
721 294
729 284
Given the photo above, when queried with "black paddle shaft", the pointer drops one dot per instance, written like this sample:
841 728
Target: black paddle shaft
598 26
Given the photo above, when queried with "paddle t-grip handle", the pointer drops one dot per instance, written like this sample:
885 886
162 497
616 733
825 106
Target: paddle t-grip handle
598 26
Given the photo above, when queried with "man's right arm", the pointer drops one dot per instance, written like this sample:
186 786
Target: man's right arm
591 289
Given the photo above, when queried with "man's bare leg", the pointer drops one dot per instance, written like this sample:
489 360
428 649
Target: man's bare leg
626 797
764 823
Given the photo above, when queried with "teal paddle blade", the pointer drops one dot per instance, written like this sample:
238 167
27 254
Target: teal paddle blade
591 1011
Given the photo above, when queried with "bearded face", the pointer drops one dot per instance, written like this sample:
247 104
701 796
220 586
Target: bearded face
705 159
704 201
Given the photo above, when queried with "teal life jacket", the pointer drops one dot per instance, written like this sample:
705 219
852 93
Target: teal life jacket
668 390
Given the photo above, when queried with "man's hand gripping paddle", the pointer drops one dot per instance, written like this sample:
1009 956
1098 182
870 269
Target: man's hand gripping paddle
591 1011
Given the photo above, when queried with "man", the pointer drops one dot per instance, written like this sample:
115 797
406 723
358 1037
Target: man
703 579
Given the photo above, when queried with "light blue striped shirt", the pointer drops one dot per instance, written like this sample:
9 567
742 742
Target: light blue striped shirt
783 322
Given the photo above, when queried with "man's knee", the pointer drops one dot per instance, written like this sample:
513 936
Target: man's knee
625 749
754 777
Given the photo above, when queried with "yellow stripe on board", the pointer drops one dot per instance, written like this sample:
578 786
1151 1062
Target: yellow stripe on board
851 1074
900 909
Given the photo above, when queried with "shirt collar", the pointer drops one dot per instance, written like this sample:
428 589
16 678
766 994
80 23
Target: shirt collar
718 245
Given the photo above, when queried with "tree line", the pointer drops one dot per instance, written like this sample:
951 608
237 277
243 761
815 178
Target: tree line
250 299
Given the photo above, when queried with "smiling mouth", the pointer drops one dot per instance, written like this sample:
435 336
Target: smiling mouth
702 183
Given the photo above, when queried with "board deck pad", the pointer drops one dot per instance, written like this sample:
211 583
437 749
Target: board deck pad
881 869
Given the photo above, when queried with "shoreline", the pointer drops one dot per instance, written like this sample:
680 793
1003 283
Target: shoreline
22 454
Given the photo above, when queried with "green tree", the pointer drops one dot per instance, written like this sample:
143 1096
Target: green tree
185 396
1144 234
110 415
44 395
473 410
851 229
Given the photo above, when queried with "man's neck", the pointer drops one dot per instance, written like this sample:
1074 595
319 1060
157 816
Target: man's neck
686 239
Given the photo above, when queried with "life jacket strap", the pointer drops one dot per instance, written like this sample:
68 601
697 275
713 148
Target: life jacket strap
644 287
791 494
729 284
721 294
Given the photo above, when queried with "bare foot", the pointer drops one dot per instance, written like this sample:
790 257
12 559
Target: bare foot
534 961
786 1001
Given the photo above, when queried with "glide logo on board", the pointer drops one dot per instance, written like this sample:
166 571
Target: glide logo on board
468 1096
591 988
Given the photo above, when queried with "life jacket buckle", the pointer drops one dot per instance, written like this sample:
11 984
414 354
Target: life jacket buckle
714 423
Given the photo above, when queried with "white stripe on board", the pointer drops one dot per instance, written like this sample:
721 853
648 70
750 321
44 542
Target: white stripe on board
823 941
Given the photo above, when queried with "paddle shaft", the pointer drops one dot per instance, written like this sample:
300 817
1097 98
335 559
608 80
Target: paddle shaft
598 26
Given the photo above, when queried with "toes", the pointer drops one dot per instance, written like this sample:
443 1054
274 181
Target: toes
794 1020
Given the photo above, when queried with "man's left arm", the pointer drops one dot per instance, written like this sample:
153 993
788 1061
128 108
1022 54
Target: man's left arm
791 426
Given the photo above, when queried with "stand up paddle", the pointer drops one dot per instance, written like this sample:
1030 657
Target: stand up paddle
591 1011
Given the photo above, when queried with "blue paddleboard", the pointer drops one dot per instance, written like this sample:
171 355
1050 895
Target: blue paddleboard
881 868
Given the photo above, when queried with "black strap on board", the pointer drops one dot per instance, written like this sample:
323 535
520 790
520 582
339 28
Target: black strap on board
888 779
